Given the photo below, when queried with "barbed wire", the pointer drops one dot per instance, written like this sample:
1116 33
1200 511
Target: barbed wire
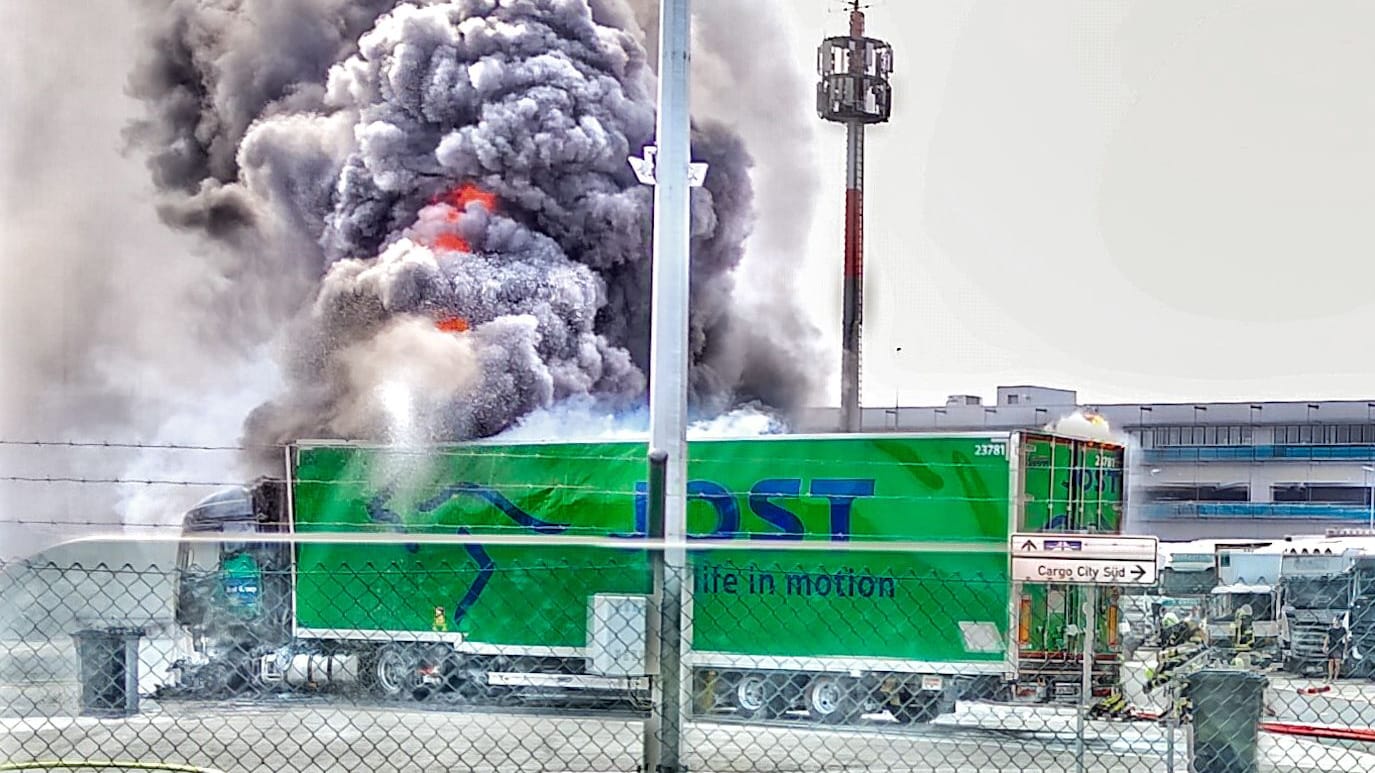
375 458
116 481
493 448
377 488
591 538
74 522
132 445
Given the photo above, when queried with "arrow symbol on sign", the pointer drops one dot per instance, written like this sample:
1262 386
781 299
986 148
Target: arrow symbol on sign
1139 573
1028 545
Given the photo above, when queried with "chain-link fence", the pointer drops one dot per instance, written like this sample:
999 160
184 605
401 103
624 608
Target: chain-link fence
262 656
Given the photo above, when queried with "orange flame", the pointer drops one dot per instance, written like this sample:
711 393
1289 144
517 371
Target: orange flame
459 198
452 325
457 201
451 243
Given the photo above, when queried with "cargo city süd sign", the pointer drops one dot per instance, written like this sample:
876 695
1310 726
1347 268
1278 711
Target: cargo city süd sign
1084 559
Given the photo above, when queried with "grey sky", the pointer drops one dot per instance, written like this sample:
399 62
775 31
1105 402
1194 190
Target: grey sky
1145 200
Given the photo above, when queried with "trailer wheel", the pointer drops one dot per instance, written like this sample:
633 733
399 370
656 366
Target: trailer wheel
756 696
829 700
393 672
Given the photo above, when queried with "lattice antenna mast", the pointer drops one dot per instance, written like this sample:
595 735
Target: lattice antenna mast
854 90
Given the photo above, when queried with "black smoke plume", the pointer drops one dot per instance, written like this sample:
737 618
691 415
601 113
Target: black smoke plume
432 201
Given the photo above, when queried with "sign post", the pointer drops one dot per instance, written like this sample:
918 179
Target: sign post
1090 560
1086 678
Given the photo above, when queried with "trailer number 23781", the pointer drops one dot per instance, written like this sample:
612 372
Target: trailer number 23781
990 449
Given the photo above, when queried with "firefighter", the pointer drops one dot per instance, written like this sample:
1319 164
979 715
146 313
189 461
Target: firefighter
1172 630
1115 706
1243 630
1188 640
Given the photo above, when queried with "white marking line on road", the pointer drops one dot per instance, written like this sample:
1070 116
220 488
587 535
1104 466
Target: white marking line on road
57 722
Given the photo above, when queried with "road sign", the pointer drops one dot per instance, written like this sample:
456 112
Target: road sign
1084 559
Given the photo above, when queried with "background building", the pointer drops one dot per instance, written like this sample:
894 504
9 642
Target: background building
1263 469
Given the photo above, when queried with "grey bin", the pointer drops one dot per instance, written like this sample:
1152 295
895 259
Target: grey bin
107 668
1226 706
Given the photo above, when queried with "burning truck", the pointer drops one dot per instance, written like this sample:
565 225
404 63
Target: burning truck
848 629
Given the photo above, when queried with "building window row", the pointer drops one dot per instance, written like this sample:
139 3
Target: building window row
1197 493
1332 494
1324 434
1244 435
1281 493
1210 435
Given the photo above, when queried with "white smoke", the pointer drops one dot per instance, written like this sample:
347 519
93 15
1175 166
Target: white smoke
1087 425
401 380
112 327
200 456
584 420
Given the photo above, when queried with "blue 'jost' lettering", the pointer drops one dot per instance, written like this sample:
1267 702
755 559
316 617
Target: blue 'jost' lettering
842 493
763 502
718 496
1089 479
789 525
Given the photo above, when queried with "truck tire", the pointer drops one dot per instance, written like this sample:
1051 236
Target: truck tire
393 671
830 699
757 696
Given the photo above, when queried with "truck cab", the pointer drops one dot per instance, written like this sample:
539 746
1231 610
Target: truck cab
233 592
1315 588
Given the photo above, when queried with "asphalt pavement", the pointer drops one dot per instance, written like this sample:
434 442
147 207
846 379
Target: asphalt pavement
280 733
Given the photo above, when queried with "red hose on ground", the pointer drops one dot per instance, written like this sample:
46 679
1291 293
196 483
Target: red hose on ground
1320 731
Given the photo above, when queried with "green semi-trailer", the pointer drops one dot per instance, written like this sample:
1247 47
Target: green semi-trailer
797 603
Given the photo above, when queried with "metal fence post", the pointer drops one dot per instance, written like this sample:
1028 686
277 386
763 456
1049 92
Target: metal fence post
1086 683
663 730
1171 725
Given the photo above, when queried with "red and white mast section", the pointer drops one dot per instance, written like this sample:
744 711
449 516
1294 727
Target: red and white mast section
854 90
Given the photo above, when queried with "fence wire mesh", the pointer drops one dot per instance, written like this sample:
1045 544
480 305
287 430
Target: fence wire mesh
256 657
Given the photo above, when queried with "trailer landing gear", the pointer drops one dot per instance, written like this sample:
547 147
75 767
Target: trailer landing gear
915 707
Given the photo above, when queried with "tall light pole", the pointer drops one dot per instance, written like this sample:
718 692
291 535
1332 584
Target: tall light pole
668 167
668 361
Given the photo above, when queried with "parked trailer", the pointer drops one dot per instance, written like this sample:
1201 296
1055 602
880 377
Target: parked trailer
1246 591
1361 621
836 632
